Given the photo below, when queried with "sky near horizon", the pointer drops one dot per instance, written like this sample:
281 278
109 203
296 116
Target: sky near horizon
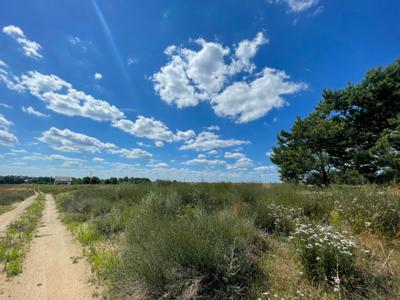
186 90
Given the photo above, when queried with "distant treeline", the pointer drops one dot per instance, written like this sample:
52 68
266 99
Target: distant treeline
111 180
352 137
84 180
25 179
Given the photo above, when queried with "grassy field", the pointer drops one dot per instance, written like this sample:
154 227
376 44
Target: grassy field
16 239
237 241
12 193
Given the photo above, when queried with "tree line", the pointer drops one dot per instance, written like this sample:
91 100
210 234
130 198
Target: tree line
85 180
352 136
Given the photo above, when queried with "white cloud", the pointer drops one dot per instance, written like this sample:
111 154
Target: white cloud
297 6
201 156
213 128
268 154
30 48
241 163
74 40
159 144
7 138
151 129
30 110
4 123
62 98
18 150
98 76
131 61
3 64
213 153
158 165
246 102
205 75
132 153
98 159
69 141
234 155
206 141
245 52
203 161
266 168
6 105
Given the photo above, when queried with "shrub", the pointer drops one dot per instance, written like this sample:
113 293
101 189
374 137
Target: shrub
211 256
276 219
326 255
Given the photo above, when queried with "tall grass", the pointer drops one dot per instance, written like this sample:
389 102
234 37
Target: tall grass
209 241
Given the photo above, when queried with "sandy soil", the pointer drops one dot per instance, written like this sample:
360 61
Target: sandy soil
51 270
8 217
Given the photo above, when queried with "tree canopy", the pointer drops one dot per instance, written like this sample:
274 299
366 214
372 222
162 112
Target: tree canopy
353 136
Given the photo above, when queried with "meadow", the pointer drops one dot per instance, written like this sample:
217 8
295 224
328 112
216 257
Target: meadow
237 241
11 194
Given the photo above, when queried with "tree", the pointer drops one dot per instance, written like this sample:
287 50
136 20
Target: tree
352 135
308 153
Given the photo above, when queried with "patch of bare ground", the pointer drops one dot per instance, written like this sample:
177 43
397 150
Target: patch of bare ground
51 269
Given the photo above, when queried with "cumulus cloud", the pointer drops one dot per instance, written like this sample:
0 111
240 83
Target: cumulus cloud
213 128
61 97
69 141
98 159
192 76
207 141
4 123
248 101
266 168
7 138
30 110
297 6
151 129
242 163
30 48
159 144
98 76
203 161
234 155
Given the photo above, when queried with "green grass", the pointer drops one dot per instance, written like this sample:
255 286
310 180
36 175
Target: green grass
16 239
229 241
11 194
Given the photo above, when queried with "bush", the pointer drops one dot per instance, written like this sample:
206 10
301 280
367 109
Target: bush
326 255
212 256
276 219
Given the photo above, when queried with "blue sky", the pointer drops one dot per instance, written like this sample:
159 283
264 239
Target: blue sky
174 89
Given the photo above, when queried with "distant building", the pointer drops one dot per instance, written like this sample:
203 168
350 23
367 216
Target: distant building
63 180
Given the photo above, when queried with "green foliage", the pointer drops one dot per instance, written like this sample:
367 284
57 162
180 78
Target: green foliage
325 254
352 136
210 256
209 241
17 237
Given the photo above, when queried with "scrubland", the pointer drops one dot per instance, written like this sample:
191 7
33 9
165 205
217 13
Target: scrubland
237 241
11 194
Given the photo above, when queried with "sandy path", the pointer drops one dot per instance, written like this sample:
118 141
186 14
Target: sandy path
8 217
49 272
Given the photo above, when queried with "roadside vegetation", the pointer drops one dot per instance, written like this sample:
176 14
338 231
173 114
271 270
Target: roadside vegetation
237 241
11 194
15 240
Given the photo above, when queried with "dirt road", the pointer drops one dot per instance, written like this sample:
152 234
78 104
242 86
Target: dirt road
49 270
8 217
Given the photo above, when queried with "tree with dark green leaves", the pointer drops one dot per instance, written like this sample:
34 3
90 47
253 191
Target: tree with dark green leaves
351 137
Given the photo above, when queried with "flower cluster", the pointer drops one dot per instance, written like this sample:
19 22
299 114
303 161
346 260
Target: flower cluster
324 252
